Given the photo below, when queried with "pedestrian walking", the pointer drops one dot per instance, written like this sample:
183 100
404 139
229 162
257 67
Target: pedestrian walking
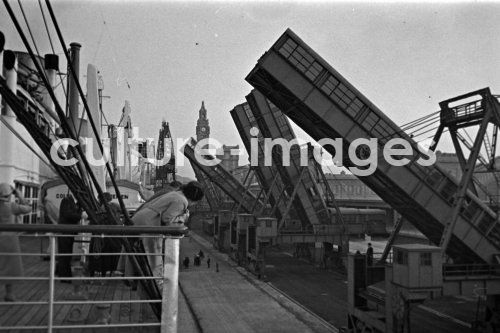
208 262
369 255
11 265
217 267
186 262
201 254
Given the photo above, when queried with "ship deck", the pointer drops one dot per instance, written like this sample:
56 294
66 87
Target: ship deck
32 315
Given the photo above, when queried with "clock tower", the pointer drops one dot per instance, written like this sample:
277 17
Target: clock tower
202 126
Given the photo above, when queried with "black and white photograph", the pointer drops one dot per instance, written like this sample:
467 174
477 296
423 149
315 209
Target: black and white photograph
249 166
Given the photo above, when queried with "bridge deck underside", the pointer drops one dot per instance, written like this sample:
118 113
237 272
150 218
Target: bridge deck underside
225 180
210 191
423 195
274 125
241 115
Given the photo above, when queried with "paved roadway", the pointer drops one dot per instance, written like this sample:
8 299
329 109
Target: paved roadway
232 301
186 322
324 293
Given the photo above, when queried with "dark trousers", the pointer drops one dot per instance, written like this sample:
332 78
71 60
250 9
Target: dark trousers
64 245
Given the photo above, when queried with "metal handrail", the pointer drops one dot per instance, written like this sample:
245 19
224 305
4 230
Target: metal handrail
170 236
170 230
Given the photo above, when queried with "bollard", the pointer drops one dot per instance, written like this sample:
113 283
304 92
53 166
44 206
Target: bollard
79 292
103 315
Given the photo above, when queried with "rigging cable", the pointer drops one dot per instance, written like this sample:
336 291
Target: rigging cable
28 26
416 122
13 130
60 113
36 48
422 122
429 122
92 123
415 134
51 46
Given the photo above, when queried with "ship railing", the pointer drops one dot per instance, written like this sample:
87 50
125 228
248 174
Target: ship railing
168 279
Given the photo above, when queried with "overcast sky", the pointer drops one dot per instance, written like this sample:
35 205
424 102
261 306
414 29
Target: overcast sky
405 58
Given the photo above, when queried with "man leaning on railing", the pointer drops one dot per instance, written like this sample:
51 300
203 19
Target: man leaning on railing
163 210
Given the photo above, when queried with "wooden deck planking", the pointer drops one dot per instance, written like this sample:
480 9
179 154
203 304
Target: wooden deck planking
125 309
33 293
8 310
26 290
39 313
36 311
16 315
115 309
86 310
135 309
96 292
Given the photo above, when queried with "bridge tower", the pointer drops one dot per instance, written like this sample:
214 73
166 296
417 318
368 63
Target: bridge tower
477 108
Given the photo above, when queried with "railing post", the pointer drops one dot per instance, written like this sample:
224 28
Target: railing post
52 241
170 290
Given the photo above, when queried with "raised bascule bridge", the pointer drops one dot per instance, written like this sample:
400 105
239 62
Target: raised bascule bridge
464 231
295 200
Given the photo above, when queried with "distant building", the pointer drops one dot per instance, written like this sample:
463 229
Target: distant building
449 163
229 159
203 132
165 173
147 170
202 125
347 187
489 192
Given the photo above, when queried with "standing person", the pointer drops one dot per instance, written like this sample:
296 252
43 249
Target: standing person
167 209
201 254
9 242
217 267
105 263
69 213
50 215
369 255
186 262
115 208
208 262
50 211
